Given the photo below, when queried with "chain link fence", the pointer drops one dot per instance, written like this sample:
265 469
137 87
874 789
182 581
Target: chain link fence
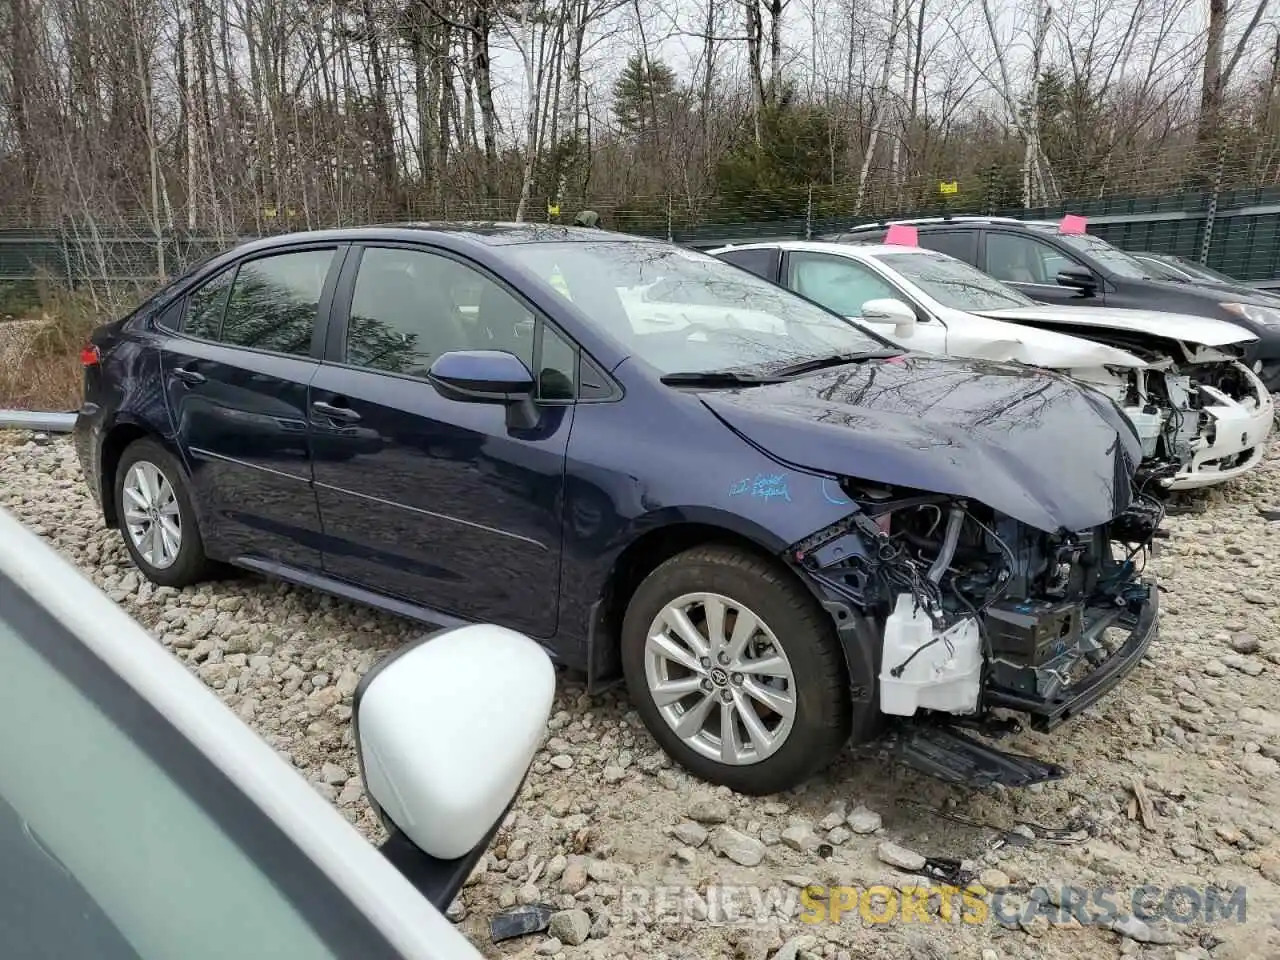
1236 231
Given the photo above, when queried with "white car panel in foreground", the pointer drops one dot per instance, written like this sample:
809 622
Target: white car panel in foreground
135 794
1197 409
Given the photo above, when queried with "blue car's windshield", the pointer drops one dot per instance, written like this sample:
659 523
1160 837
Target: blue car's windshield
679 310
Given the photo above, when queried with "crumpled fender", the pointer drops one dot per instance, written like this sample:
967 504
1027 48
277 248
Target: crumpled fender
1028 443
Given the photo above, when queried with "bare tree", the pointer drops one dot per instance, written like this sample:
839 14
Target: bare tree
1216 73
255 115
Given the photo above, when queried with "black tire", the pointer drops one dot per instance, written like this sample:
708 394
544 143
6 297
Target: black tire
191 564
822 720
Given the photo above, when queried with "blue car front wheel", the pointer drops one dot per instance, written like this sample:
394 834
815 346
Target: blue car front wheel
736 670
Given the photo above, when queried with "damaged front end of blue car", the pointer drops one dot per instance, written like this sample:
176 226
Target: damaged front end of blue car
980 544
972 620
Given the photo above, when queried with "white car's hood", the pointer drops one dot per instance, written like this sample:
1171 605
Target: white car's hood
1204 331
984 338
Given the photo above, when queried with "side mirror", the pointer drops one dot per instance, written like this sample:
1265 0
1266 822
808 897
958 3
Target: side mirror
896 312
1078 278
439 771
481 376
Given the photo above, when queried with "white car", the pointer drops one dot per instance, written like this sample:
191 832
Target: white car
141 820
1203 416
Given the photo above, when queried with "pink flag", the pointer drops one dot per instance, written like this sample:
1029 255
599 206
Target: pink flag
1072 224
902 235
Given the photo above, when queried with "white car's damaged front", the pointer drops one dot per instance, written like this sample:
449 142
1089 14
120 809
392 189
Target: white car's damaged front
1197 407
1202 415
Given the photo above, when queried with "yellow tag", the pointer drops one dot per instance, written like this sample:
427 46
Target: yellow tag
948 186
553 209
269 212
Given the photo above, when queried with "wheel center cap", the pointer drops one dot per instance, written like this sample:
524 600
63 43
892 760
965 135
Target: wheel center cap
719 677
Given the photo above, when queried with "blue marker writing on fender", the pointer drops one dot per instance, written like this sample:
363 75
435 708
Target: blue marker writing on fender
763 486
837 499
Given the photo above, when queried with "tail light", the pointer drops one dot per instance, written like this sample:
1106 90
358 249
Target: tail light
89 356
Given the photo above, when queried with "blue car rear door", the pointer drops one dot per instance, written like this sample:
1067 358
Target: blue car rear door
236 371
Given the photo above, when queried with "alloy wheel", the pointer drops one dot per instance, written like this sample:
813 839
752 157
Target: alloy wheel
152 517
720 678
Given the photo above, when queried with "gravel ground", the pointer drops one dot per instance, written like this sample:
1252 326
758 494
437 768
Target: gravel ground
604 814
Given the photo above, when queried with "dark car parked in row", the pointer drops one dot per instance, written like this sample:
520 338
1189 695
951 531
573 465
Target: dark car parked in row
1169 266
1078 269
743 510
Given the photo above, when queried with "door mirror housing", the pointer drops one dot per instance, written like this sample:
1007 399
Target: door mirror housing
481 376
896 312
440 773
1078 278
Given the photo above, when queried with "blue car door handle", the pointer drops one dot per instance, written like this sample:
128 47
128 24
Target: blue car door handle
345 414
189 375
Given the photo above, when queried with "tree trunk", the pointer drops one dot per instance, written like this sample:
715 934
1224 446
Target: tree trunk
1211 89
755 65
481 28
533 88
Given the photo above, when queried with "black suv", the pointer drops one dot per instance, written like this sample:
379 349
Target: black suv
1082 270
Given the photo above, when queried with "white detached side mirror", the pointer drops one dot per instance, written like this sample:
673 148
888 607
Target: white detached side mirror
896 312
446 729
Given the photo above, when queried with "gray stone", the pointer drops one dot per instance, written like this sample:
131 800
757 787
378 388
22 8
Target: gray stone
791 950
689 833
709 810
800 836
1245 643
1259 766
831 821
899 857
570 926
575 876
863 821
1142 932
737 846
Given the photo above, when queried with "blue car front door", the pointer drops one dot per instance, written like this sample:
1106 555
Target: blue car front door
439 502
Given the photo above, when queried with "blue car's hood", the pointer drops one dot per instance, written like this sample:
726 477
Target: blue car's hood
1029 444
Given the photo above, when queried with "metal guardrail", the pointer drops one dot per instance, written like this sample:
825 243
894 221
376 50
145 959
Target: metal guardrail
37 420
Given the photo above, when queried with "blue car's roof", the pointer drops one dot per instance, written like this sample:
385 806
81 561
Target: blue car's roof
489 233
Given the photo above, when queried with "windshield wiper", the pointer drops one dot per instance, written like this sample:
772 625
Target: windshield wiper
834 360
717 378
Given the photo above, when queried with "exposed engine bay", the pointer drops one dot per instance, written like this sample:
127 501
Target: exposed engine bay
978 610
1196 411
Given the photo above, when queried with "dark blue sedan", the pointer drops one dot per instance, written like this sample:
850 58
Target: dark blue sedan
776 527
